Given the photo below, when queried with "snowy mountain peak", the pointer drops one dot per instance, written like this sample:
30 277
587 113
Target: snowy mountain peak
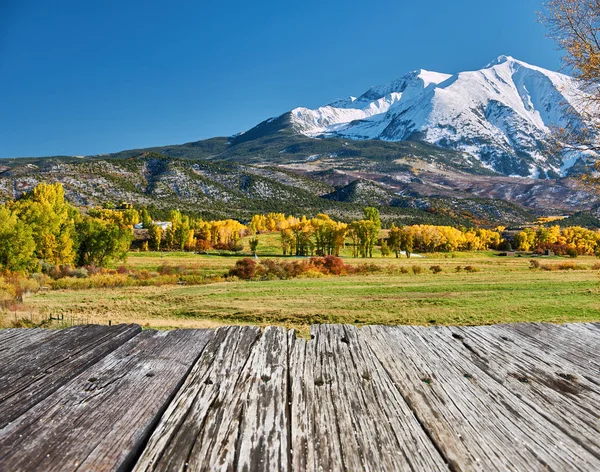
501 59
502 115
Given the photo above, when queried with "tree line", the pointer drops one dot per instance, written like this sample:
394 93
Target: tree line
323 236
41 228
570 240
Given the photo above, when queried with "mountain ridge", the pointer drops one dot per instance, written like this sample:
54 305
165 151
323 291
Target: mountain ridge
503 115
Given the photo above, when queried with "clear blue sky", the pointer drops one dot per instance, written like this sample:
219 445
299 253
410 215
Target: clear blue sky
82 77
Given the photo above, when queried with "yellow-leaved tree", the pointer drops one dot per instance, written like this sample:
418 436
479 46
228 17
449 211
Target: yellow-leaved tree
52 221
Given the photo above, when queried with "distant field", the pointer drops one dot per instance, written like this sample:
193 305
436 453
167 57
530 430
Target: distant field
503 290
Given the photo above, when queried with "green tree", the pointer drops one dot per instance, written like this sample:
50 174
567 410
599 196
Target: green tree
394 240
102 242
253 244
407 242
363 234
145 218
155 233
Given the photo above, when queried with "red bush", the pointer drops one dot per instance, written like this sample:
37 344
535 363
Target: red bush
245 269
329 265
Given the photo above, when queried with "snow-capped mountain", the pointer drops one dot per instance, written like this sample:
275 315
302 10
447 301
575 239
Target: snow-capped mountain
502 114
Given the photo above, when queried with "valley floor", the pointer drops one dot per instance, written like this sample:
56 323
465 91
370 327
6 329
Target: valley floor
504 289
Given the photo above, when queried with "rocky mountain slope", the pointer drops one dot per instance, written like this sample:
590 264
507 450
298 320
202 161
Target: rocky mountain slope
232 190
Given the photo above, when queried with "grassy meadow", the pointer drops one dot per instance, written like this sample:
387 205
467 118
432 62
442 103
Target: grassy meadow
503 289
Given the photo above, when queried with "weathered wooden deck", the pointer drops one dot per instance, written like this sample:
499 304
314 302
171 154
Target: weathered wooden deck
508 397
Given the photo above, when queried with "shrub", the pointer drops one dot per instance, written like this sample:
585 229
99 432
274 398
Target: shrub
94 281
93 270
269 270
572 252
46 267
329 265
505 246
596 266
365 269
417 269
458 269
404 270
295 269
41 279
166 269
202 245
533 264
311 273
436 269
244 269
230 246
193 279
471 269
80 273
558 249
566 266
142 275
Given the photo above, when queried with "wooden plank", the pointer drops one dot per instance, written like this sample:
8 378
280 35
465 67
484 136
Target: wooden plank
231 412
588 330
559 342
15 339
475 421
103 417
34 374
346 412
547 384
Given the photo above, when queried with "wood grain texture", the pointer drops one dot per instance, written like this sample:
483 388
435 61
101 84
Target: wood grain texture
105 415
15 339
346 412
559 341
477 423
231 412
504 397
552 387
35 372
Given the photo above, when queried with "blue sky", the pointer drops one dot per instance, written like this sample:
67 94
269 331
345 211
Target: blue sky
83 77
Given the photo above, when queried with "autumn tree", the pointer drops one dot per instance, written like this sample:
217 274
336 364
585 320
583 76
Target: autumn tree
394 240
302 232
329 235
17 246
52 222
372 214
575 27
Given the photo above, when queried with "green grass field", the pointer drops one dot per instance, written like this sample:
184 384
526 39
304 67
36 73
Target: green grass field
503 290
